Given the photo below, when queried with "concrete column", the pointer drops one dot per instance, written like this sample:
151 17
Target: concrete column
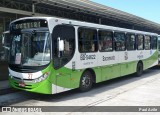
100 21
4 25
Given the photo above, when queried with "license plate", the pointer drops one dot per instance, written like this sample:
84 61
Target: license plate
22 84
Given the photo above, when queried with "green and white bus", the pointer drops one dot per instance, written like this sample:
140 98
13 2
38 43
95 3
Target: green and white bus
50 55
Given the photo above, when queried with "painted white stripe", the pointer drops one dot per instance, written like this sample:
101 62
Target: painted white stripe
119 57
154 64
25 75
58 89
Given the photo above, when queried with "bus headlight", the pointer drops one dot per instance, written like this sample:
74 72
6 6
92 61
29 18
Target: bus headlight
41 78
10 76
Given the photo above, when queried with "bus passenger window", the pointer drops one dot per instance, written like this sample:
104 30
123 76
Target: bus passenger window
87 40
154 42
130 41
105 40
140 41
119 39
147 40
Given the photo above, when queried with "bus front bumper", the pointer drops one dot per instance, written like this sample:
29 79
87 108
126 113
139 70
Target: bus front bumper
43 87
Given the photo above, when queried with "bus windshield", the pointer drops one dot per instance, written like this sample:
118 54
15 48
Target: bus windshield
30 49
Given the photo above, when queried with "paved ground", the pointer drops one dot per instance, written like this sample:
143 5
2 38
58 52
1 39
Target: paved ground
3 70
125 91
4 84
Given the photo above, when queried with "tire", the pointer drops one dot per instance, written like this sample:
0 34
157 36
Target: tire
139 70
86 81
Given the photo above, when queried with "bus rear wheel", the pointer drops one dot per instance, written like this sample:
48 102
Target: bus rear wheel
86 81
139 70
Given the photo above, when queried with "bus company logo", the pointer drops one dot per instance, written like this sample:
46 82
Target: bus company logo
126 55
87 57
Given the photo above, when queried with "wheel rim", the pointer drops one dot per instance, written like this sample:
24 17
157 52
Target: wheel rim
86 81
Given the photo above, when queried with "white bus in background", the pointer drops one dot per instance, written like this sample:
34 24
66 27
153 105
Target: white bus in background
50 55
6 45
6 39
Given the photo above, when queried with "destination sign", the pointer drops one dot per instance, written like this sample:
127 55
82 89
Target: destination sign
29 23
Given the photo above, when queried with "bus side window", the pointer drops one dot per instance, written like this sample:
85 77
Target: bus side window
87 40
154 42
105 40
130 41
147 44
119 40
140 42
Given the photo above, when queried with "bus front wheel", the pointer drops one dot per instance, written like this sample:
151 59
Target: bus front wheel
86 81
139 70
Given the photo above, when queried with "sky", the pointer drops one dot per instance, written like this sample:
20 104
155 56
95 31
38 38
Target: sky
147 9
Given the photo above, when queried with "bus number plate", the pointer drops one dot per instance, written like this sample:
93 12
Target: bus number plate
22 84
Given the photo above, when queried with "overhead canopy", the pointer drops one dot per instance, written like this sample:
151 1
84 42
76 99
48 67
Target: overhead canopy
83 10
104 12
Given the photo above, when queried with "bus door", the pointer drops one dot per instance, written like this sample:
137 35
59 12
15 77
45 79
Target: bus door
63 48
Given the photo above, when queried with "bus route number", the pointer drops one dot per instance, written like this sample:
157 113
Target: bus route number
30 76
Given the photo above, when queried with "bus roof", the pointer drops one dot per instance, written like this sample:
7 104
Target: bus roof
87 24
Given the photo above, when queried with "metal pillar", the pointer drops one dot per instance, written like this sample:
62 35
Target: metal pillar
100 21
33 9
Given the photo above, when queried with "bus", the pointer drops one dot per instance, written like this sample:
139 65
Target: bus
50 55
6 39
6 44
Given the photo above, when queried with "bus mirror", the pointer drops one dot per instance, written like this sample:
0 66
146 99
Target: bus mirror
7 48
60 44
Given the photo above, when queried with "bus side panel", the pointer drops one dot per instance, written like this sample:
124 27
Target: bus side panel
75 78
116 70
147 61
107 72
128 62
127 68
98 74
109 63
152 60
